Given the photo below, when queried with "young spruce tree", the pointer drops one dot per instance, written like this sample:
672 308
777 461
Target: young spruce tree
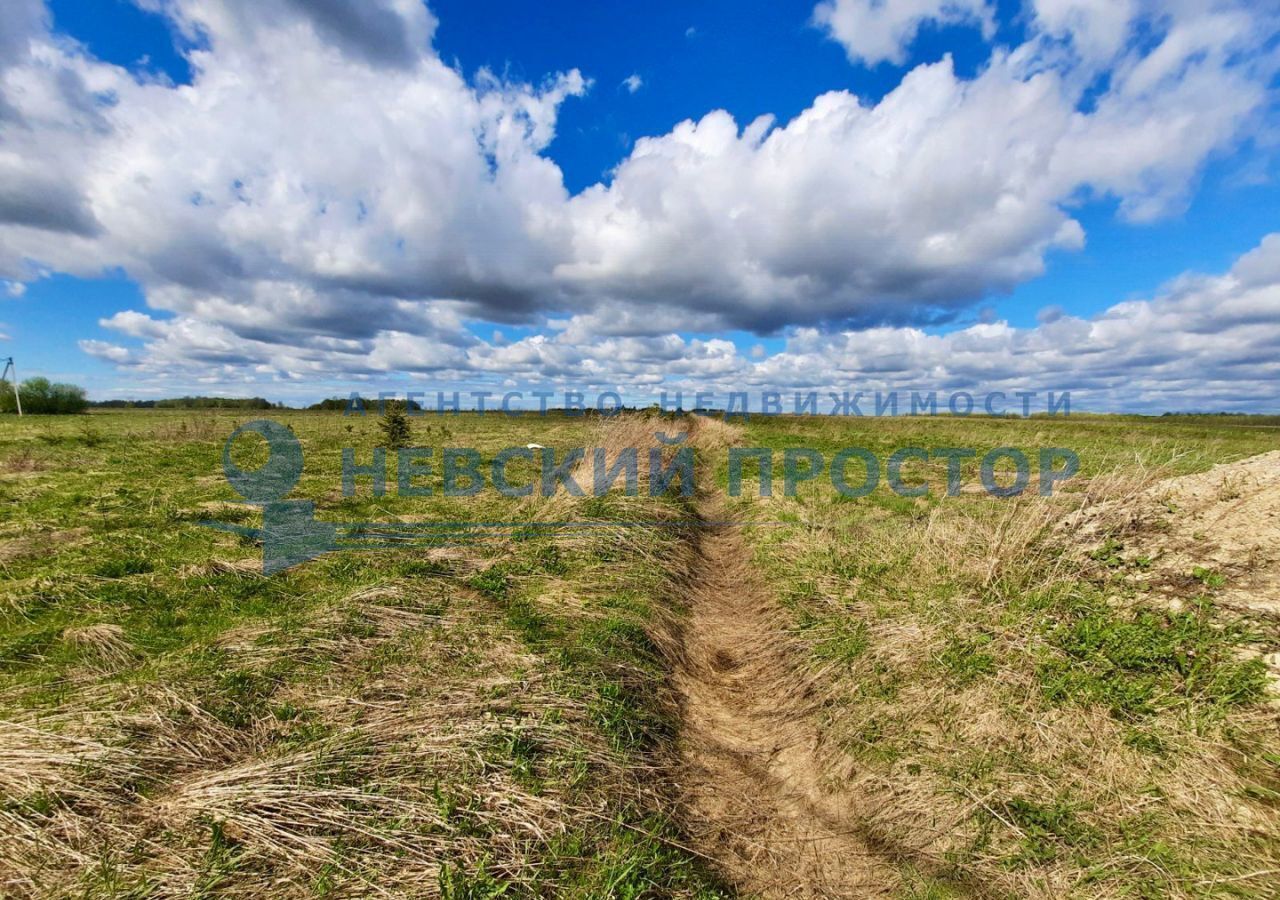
396 434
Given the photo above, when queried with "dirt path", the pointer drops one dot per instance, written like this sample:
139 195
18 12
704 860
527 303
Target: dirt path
752 767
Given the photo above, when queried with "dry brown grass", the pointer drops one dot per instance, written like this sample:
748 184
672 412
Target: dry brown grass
104 644
23 546
363 803
382 758
1114 505
413 690
191 428
16 548
24 462
933 761
644 434
240 568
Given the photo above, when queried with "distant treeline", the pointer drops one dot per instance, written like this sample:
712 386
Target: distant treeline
339 404
1230 418
192 403
333 404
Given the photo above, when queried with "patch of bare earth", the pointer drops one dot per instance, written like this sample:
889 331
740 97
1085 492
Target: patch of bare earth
1226 520
24 546
1218 529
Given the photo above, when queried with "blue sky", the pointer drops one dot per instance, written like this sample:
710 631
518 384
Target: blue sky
987 179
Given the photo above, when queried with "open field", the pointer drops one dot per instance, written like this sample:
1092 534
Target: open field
886 696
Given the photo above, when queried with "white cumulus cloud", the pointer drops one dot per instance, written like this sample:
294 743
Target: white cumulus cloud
1203 342
328 196
875 31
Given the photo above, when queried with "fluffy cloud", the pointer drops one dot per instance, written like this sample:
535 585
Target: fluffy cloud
875 31
327 196
292 163
945 190
849 212
22 20
1205 341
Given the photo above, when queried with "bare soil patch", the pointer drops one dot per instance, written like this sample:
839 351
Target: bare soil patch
1216 531
25 546
1224 521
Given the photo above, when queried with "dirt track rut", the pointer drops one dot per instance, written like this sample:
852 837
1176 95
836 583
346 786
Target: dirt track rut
751 762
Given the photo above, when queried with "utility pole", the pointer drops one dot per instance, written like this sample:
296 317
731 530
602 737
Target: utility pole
11 370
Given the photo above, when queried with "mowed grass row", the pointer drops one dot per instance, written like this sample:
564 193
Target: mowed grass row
462 720
1019 711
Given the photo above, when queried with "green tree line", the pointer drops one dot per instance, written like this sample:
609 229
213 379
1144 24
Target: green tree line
42 397
192 403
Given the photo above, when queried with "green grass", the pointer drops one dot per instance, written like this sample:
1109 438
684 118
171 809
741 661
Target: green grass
1136 662
970 651
560 704
1031 707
